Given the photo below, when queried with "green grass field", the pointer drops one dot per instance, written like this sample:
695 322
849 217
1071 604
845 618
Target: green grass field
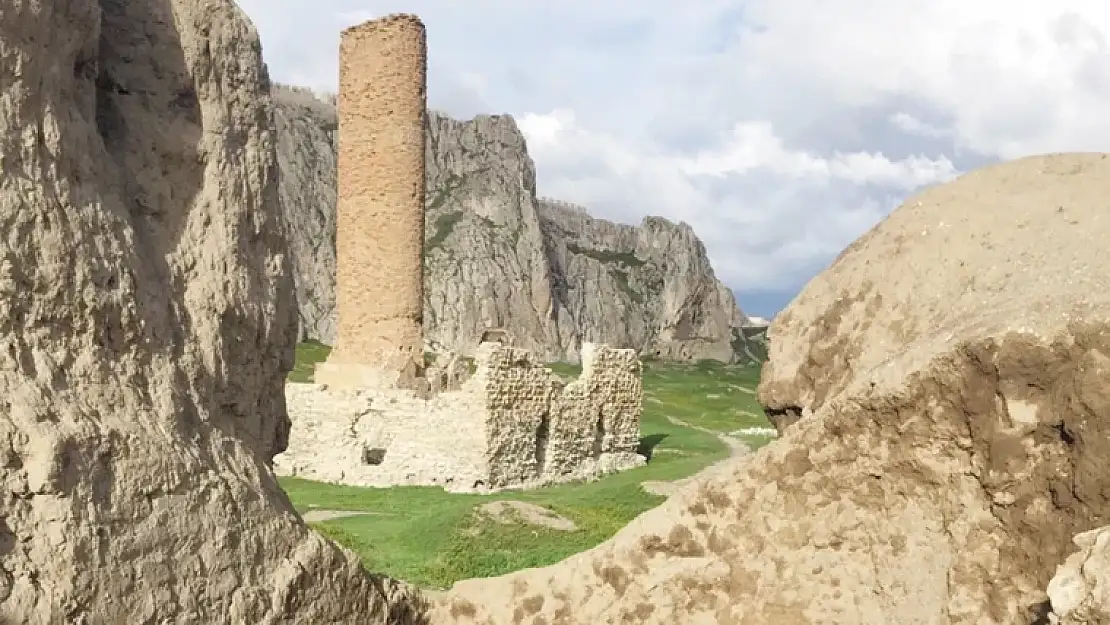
308 354
433 538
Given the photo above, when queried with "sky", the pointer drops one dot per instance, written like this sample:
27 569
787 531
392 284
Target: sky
780 130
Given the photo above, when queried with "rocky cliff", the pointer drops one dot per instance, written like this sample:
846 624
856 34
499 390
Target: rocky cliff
306 126
147 328
499 257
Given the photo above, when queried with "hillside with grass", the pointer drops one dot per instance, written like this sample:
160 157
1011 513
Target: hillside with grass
694 415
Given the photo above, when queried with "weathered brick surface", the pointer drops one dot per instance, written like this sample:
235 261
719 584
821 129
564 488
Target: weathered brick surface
380 219
513 424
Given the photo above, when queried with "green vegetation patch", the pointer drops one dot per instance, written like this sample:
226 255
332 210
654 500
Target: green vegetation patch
444 192
445 223
607 256
308 354
433 538
622 281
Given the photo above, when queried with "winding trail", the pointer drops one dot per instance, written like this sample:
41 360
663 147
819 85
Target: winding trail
319 515
736 447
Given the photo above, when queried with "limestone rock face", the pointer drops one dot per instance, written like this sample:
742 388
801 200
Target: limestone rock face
951 367
485 264
147 326
496 256
1080 590
649 286
306 126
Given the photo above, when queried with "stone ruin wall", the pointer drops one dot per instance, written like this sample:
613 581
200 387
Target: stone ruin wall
514 423
538 428
515 394
382 437
380 213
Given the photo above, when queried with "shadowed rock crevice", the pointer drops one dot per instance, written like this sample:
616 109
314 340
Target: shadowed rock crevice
783 417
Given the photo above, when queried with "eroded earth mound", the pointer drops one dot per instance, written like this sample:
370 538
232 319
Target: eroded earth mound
950 374
146 329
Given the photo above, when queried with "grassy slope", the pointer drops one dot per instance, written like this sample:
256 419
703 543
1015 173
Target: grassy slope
308 354
433 538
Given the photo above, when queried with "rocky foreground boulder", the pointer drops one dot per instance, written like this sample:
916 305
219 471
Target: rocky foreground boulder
498 256
1080 590
949 378
146 328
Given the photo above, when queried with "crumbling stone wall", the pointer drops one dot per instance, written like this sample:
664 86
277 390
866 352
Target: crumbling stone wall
514 423
516 394
597 415
383 437
380 220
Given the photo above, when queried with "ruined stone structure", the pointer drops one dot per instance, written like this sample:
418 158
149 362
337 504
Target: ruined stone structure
514 423
380 414
380 221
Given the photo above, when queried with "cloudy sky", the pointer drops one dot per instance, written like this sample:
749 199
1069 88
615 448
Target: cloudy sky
779 129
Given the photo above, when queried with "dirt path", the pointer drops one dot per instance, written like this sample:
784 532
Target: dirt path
319 516
736 448
742 389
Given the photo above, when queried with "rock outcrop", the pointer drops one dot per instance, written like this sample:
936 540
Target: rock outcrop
649 286
499 257
306 127
147 328
950 369
1080 590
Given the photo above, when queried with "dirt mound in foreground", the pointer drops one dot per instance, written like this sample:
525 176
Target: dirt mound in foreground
949 371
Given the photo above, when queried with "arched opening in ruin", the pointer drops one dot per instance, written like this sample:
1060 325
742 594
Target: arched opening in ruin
542 436
496 335
599 436
373 455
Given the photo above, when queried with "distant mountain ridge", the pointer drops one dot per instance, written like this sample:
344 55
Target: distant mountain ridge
498 256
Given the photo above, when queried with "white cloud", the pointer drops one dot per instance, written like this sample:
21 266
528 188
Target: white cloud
1013 77
913 126
753 146
779 129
